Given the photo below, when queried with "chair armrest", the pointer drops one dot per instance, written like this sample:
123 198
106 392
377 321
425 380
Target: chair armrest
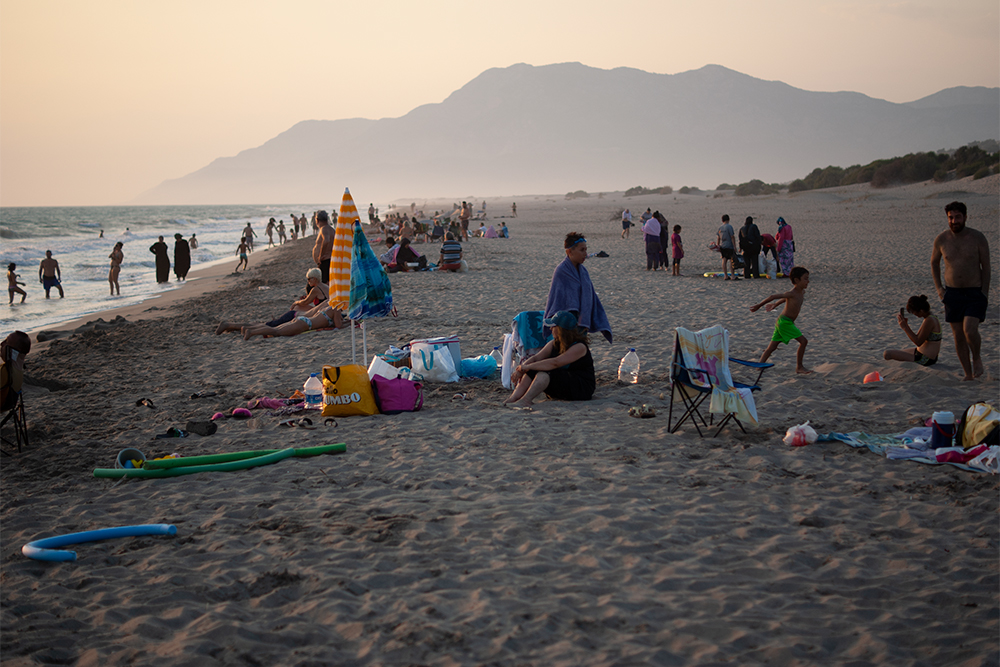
751 364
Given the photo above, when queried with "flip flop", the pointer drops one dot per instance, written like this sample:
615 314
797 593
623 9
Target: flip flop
305 423
329 420
145 401
172 433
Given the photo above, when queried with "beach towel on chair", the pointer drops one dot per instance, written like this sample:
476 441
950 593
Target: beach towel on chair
708 351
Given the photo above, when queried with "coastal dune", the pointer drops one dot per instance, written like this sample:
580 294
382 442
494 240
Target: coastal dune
572 534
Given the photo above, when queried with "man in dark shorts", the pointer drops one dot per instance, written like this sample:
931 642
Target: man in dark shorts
726 237
49 274
323 249
966 254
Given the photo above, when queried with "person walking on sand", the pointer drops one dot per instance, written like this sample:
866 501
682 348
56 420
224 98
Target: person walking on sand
117 257
966 286
323 248
626 223
242 249
12 284
651 234
281 232
269 230
784 328
49 274
727 247
162 261
463 218
927 338
249 235
786 246
677 246
182 257
513 209
750 243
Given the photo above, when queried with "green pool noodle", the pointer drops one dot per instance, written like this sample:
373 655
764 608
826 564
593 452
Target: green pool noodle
208 459
241 464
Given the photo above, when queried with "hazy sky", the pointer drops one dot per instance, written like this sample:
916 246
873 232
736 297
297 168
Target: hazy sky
103 99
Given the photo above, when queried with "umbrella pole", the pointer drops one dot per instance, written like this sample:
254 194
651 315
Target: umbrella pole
354 356
364 341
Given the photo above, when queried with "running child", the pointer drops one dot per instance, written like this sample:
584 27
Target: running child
928 336
13 282
678 249
785 329
242 250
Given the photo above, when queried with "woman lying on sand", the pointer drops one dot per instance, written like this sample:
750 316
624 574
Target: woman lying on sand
317 294
322 316
563 369
928 336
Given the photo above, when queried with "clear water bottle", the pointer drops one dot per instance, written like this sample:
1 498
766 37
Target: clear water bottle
628 369
313 389
496 354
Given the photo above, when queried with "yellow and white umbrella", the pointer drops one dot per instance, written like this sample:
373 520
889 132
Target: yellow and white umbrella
340 261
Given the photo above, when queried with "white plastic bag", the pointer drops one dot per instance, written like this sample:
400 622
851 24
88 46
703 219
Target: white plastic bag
433 362
380 367
799 436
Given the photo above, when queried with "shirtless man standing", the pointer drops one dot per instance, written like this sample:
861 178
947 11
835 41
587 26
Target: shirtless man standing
323 250
49 274
966 254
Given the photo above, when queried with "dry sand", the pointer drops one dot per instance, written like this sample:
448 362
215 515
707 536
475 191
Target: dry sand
571 535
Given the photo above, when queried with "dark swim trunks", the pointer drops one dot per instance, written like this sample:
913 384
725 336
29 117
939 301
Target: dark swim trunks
962 302
48 283
922 359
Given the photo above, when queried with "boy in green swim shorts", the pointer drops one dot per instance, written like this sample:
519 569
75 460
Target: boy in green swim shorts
785 329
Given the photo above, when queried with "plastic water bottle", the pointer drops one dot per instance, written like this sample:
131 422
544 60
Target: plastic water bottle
496 354
628 369
313 389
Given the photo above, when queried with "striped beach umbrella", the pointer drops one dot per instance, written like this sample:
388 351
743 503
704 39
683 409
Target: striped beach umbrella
340 260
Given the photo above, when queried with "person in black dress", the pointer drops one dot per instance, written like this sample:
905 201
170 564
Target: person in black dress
182 257
563 369
162 261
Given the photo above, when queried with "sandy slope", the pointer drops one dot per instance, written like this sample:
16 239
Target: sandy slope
471 534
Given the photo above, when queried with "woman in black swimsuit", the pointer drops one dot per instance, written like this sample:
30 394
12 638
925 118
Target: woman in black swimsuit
563 369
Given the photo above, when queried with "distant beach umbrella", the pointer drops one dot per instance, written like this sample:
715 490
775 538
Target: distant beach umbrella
340 260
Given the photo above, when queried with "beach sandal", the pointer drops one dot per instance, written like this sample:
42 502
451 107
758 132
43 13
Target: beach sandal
460 397
305 423
145 401
172 433
330 420
202 428
643 412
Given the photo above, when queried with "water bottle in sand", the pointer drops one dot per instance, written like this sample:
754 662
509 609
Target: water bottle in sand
496 354
628 369
313 389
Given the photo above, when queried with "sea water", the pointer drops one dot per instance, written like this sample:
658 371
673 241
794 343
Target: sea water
73 234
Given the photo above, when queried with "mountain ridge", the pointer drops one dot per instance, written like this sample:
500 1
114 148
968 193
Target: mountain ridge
567 126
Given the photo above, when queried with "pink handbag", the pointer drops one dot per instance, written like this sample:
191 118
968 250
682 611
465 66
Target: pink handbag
397 395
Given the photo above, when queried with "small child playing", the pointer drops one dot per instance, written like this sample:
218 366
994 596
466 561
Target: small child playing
785 329
928 336
678 249
242 250
13 282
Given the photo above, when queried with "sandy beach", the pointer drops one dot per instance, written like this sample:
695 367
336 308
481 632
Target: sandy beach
468 533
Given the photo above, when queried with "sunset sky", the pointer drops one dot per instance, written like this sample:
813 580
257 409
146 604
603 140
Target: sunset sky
103 99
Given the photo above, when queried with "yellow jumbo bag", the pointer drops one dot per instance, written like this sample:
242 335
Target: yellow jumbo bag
347 391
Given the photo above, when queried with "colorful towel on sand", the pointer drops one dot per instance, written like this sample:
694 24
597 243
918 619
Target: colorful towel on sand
572 290
708 350
371 291
985 460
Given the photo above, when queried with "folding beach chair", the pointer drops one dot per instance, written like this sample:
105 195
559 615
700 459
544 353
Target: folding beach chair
15 417
700 370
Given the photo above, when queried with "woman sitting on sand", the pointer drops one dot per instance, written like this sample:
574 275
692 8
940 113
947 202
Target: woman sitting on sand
322 316
318 293
928 336
563 369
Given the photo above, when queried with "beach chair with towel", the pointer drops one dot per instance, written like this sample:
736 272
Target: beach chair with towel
700 370
12 353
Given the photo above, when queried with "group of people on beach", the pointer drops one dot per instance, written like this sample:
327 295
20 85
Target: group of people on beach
747 246
663 246
49 275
